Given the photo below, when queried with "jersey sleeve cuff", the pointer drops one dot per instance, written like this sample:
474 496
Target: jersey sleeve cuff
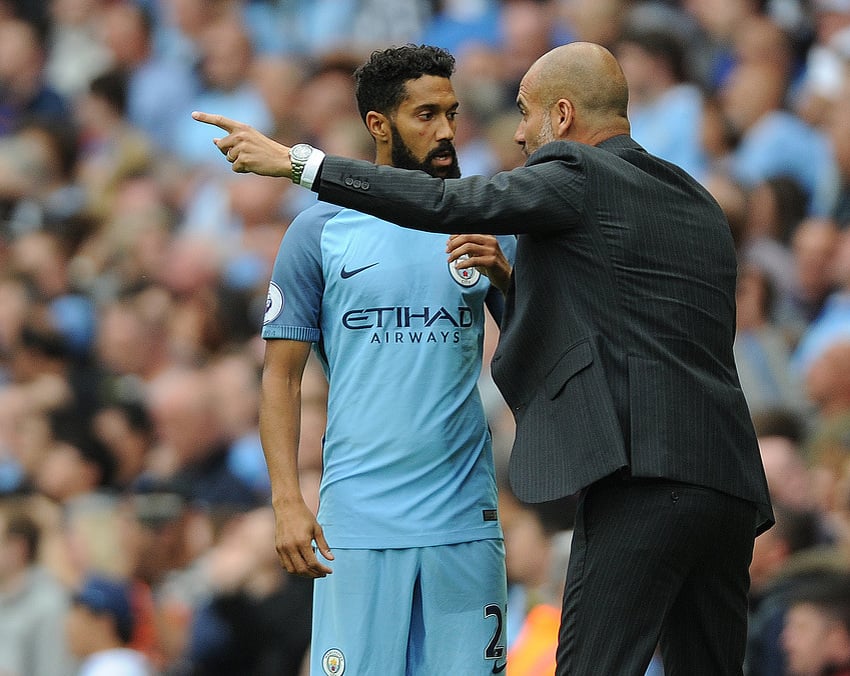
299 333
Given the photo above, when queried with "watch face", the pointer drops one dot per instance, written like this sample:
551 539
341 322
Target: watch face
301 152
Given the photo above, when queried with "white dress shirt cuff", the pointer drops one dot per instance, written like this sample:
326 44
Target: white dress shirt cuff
311 168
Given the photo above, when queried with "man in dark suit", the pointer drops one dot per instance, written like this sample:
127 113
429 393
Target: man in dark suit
615 356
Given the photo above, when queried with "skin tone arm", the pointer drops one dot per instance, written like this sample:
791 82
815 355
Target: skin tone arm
250 151
296 527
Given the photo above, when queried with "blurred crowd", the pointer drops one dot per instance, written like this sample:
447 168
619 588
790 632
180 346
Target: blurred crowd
134 503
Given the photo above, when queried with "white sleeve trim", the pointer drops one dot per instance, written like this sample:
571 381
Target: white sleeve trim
311 168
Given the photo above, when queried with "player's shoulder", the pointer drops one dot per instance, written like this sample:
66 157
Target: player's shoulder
307 227
316 215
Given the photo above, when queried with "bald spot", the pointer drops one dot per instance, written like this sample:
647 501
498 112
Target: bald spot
589 76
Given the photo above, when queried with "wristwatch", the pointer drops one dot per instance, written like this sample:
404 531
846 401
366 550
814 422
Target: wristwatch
298 156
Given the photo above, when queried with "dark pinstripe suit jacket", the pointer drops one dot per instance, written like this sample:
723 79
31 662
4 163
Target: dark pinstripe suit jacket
616 344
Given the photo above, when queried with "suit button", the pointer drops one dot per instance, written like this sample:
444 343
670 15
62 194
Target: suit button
357 183
349 181
365 185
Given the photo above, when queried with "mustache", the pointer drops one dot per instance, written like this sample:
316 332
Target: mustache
442 149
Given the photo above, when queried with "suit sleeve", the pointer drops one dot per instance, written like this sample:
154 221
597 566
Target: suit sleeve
542 197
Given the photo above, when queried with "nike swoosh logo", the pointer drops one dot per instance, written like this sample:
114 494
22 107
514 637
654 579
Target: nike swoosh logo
345 274
499 668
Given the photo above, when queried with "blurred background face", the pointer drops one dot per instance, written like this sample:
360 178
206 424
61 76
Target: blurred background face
64 472
120 342
751 91
828 378
78 630
123 33
227 55
813 246
640 68
805 635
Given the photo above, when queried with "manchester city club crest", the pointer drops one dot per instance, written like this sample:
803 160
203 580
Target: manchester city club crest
466 276
333 662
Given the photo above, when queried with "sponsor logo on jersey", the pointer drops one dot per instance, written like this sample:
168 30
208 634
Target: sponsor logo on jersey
405 324
274 303
466 276
333 662
345 274
406 317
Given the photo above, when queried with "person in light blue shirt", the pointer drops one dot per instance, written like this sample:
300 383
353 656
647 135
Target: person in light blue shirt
158 89
774 141
226 55
665 108
407 549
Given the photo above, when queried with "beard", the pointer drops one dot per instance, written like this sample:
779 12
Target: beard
403 158
544 136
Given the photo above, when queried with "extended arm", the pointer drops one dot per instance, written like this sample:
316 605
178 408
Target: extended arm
542 197
280 423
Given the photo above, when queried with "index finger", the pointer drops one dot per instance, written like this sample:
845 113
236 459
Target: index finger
219 121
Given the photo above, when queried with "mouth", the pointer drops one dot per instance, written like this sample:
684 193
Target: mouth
442 158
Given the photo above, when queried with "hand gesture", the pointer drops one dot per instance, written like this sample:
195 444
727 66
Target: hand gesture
247 150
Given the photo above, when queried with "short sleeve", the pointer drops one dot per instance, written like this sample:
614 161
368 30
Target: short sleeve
294 301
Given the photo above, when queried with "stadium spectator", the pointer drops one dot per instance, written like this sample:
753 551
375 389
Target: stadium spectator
772 140
761 351
159 90
100 626
226 54
32 601
816 637
665 107
25 93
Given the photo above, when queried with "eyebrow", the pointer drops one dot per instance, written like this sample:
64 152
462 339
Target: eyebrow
435 107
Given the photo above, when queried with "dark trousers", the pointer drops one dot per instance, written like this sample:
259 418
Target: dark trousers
657 562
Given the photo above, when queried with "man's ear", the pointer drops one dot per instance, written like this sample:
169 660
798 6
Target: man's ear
564 116
379 126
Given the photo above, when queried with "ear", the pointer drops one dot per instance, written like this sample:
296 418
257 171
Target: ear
379 126
564 116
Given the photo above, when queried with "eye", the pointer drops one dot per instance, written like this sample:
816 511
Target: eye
452 115
426 115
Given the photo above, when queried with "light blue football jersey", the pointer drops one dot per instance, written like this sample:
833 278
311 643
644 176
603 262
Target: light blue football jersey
407 458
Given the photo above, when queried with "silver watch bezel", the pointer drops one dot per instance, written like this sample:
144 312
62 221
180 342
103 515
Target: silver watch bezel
300 152
298 156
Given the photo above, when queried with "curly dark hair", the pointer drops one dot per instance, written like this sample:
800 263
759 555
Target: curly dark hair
380 82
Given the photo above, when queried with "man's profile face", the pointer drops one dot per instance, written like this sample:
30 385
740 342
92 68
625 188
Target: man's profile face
535 128
423 128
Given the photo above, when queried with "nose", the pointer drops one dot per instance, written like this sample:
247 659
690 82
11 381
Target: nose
446 130
519 134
